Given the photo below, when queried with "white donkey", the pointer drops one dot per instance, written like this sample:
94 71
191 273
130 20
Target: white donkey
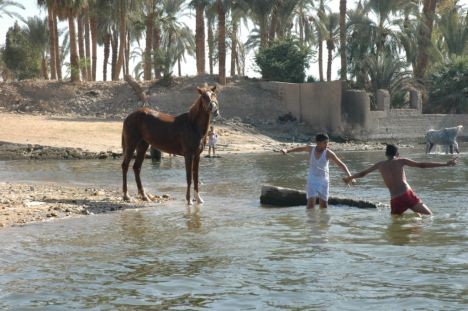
445 136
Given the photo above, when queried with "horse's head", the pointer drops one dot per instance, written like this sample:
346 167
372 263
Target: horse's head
209 100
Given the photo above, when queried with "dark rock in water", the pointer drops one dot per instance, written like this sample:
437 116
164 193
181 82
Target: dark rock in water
282 197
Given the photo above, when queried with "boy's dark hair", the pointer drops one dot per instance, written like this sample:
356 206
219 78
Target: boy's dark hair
391 150
321 137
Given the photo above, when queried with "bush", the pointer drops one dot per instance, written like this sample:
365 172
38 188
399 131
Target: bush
283 61
448 90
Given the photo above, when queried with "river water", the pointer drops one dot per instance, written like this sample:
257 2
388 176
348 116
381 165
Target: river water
232 253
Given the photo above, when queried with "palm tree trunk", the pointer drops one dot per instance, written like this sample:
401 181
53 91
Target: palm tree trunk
235 25
127 55
148 47
115 51
320 56
45 73
52 38
210 49
156 48
81 50
343 72
200 39
221 43
58 61
179 68
424 38
93 24
87 44
330 48
123 35
74 63
107 43
264 32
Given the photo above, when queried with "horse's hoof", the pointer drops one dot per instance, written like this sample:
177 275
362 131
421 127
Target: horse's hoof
126 198
189 202
144 197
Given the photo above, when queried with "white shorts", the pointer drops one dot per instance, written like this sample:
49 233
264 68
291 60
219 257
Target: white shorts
318 187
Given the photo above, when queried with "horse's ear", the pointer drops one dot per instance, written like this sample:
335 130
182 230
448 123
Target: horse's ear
199 90
213 88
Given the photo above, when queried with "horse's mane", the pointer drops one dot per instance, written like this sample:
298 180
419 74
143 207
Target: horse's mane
195 108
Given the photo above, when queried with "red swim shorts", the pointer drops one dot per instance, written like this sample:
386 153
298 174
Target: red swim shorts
401 203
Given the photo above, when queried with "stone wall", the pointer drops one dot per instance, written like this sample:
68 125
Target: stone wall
317 104
331 107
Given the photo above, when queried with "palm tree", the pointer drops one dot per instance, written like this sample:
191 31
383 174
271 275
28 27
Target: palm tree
306 35
200 6
93 22
211 13
452 26
331 38
372 31
149 10
69 9
121 7
222 7
319 22
343 39
424 38
38 33
105 24
185 44
238 13
260 11
6 4
52 35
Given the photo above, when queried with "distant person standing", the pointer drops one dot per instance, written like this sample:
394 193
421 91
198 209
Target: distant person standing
318 178
212 140
393 174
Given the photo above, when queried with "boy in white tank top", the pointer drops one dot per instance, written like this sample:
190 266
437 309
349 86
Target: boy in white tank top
318 180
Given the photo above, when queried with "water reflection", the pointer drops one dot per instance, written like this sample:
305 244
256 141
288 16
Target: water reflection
404 229
319 221
193 216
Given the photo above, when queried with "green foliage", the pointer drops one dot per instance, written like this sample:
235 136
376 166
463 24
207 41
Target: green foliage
22 59
284 61
448 91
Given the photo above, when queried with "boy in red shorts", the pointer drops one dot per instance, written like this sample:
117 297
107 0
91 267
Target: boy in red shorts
393 174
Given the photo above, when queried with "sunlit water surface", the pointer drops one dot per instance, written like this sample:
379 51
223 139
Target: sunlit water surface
233 254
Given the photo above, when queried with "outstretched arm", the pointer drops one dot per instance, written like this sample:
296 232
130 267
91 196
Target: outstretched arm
338 162
361 173
412 163
297 149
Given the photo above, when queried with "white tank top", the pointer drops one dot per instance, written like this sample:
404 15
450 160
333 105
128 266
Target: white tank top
318 167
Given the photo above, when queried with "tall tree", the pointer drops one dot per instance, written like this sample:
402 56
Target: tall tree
343 74
332 27
52 35
121 8
37 31
221 7
200 6
70 9
424 37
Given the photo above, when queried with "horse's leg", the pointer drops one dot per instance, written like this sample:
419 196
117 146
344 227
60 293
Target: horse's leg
129 148
431 145
140 156
196 164
188 170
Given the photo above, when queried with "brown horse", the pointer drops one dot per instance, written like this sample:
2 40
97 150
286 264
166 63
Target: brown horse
183 135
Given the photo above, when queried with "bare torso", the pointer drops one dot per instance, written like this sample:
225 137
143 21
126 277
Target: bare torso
394 176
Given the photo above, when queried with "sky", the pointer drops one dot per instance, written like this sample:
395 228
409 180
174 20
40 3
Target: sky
189 68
